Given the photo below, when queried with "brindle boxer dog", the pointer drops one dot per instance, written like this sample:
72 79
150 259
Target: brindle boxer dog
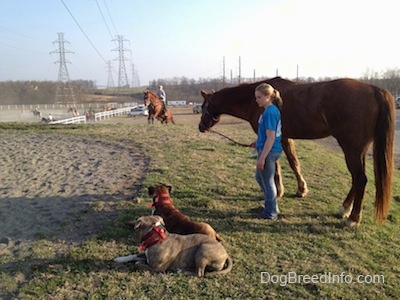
168 251
175 221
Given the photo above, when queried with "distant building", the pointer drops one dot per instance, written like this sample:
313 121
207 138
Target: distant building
177 103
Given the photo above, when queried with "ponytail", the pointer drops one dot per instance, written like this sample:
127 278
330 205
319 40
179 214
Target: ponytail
267 89
276 99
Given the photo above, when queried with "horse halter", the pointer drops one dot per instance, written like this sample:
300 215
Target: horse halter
208 114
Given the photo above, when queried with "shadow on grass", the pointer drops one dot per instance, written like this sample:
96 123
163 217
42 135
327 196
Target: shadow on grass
66 267
230 222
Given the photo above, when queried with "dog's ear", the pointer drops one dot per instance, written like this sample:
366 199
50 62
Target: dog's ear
138 223
169 187
151 190
160 219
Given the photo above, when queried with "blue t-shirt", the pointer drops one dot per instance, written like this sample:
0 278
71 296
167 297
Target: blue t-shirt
270 119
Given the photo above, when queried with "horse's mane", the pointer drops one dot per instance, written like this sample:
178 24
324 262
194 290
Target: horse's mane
154 95
151 93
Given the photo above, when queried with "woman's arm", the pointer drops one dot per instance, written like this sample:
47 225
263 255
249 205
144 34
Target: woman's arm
267 148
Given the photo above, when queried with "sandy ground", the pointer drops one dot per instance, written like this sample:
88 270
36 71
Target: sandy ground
62 187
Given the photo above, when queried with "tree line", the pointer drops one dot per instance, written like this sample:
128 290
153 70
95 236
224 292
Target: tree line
177 88
39 92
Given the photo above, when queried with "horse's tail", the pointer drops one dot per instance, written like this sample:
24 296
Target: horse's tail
384 153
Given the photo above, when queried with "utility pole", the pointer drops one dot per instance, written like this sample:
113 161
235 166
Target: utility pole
122 74
65 91
240 69
110 80
223 72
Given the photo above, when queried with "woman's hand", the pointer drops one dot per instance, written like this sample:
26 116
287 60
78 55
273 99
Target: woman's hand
260 163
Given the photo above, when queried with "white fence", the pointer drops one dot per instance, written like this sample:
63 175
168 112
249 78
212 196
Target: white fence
74 120
112 113
97 116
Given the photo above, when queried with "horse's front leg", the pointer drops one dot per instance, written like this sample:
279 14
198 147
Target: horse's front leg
290 151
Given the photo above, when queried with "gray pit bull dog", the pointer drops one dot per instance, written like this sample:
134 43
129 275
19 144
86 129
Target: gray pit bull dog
183 253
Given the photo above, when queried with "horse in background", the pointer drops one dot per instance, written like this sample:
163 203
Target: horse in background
157 109
355 113
90 114
37 113
73 111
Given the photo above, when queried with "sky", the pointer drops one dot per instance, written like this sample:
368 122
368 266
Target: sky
198 39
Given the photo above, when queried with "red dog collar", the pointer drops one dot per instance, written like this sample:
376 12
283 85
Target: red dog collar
156 235
158 201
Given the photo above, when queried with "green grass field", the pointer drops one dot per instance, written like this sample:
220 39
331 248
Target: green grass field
307 254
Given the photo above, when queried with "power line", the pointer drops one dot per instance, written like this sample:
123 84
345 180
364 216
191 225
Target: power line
80 27
109 15
104 20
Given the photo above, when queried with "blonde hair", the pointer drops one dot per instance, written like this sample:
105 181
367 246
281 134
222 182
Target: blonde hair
267 89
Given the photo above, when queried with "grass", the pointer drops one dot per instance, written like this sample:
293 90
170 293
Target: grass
213 181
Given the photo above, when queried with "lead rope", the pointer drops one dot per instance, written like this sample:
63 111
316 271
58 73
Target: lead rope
232 140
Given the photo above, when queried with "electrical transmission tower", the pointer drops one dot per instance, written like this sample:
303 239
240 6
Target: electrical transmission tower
65 91
135 77
110 80
122 74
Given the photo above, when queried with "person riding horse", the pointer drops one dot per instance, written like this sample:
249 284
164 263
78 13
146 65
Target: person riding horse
163 97
157 109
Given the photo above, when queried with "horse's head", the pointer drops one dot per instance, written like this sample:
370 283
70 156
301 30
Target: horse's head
209 113
146 100
150 98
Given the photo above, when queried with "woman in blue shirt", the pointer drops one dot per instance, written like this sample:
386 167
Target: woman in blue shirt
269 147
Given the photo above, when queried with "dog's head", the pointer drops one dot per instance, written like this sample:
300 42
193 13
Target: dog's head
161 196
159 189
144 225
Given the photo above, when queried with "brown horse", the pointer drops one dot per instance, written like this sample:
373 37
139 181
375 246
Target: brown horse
156 109
355 113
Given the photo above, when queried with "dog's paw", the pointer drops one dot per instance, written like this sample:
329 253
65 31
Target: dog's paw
124 259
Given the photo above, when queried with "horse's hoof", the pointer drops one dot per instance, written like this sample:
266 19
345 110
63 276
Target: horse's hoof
351 223
301 194
343 212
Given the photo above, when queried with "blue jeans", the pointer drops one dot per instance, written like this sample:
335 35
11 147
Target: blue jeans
265 179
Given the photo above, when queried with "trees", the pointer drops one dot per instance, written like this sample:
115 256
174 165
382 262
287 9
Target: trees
36 92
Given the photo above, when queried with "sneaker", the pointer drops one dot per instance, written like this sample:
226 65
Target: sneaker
261 216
